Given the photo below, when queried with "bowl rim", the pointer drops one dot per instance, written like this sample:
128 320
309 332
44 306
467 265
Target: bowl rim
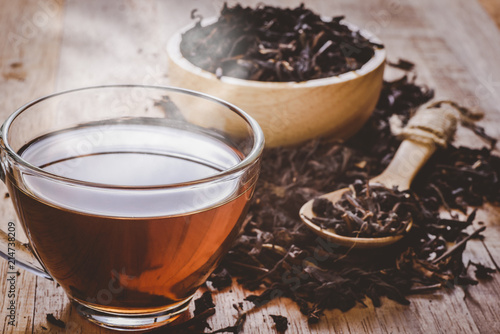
175 55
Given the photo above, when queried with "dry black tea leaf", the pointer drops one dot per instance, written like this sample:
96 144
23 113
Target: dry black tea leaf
203 303
403 64
220 279
482 272
280 323
54 321
196 324
269 43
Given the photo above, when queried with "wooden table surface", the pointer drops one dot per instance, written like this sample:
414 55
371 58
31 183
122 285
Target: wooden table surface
52 45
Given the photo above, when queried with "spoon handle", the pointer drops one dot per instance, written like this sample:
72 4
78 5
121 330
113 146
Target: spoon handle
409 158
428 128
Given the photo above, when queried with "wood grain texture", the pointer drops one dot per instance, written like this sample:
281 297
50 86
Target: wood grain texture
29 51
493 9
48 45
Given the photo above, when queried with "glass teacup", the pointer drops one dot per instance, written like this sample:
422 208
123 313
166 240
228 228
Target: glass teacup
129 195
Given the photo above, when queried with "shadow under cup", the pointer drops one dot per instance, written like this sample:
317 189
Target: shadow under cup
130 195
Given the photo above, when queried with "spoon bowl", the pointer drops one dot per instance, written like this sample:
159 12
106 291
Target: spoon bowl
408 160
329 234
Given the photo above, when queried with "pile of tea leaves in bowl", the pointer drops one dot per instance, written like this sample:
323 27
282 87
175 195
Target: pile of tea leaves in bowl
275 44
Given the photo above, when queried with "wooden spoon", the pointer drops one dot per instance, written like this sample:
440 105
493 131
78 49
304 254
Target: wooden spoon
408 160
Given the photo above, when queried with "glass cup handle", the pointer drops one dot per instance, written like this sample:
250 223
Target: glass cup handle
18 254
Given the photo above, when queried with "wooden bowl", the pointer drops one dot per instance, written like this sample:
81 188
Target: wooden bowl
291 112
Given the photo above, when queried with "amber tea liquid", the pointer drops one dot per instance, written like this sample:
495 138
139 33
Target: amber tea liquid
129 250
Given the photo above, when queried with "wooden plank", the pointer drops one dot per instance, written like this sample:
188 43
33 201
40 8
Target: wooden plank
113 42
475 44
482 300
29 48
469 76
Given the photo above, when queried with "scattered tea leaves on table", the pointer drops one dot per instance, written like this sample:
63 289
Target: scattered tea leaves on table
277 256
